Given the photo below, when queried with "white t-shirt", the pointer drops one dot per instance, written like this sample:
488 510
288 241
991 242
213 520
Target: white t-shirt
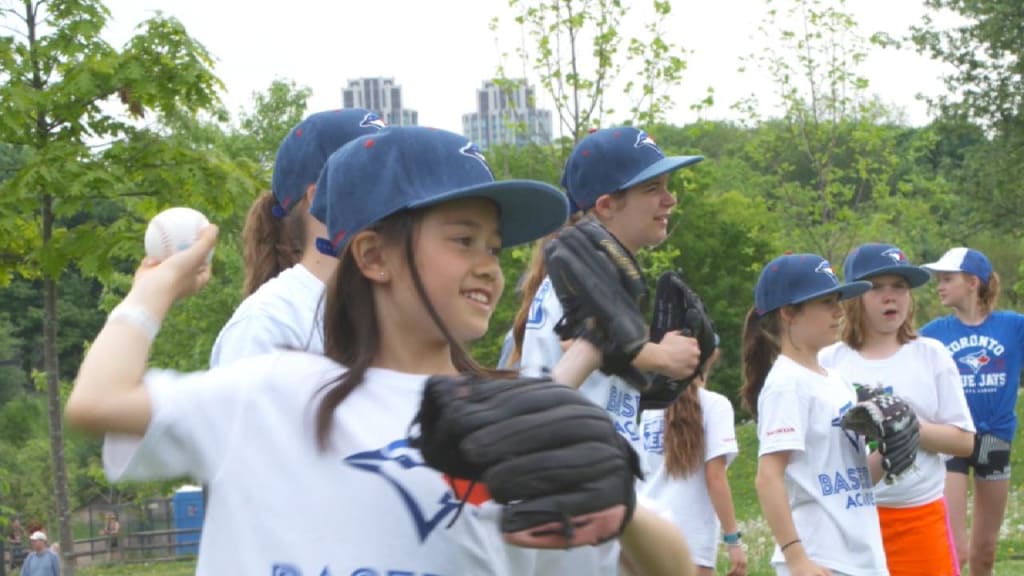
541 351
924 374
282 314
279 505
827 478
685 501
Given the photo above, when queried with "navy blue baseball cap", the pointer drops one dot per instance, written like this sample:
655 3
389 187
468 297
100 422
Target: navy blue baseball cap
304 150
963 260
409 167
868 260
796 278
614 159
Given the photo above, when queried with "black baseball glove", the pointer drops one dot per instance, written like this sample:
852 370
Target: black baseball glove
542 449
602 292
891 422
677 308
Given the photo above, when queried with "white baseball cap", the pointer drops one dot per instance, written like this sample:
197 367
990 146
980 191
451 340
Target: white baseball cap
38 535
963 259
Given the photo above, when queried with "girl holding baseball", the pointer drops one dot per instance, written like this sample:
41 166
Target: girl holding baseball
880 347
687 448
987 346
812 476
319 442
285 272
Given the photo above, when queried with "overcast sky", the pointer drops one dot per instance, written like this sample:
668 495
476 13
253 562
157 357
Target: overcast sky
440 51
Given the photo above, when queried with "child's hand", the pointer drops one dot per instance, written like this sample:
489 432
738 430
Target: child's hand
179 275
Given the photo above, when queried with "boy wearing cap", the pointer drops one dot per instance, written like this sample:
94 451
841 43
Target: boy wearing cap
42 561
988 347
880 347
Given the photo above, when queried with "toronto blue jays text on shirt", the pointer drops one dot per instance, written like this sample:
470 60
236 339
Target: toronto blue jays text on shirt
985 368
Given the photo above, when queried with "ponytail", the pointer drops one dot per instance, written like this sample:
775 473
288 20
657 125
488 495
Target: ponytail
760 349
684 434
271 244
988 293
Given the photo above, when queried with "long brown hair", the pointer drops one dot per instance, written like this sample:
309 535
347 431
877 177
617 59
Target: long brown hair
684 434
855 325
271 244
761 346
351 329
988 293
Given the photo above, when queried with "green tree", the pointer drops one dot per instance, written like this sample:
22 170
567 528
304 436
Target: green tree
832 155
985 85
59 78
274 112
578 52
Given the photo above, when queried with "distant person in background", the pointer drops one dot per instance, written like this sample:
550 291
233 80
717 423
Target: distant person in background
41 561
988 347
15 541
112 529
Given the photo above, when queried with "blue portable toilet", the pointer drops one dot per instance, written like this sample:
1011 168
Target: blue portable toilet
188 514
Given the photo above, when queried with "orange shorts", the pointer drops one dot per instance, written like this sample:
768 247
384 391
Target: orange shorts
918 540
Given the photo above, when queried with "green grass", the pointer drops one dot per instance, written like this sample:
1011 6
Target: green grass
184 567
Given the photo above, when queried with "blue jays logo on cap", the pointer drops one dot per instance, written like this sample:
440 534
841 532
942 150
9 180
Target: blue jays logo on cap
373 120
473 151
825 268
642 139
896 254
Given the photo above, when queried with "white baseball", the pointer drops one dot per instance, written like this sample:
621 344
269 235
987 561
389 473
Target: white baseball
174 230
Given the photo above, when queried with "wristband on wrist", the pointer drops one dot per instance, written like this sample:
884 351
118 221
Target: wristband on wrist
788 544
136 316
732 539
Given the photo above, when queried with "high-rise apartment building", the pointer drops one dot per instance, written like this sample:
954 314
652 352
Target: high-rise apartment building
506 113
382 96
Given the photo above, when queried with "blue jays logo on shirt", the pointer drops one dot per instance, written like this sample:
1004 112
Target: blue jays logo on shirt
373 120
826 268
396 464
642 139
473 151
896 254
976 360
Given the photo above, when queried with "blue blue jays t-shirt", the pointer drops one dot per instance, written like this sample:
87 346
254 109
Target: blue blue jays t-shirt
989 358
